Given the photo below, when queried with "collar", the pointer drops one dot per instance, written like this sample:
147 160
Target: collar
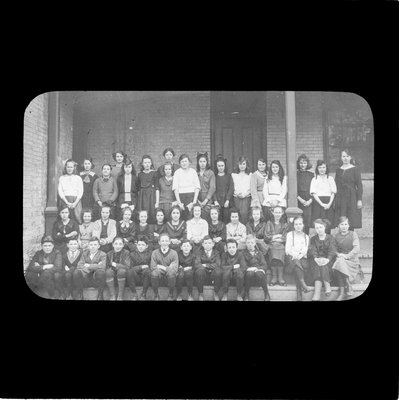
260 174
106 179
106 223
93 255
164 252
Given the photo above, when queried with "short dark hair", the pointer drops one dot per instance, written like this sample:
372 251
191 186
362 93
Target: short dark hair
94 239
168 149
142 238
47 238
185 155
321 162
207 237
231 240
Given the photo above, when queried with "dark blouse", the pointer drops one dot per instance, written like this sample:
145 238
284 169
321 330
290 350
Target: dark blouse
176 231
147 180
42 258
322 248
158 228
211 262
60 230
304 178
138 258
349 180
121 258
257 260
218 230
67 263
224 188
126 232
187 261
238 258
88 182
147 231
272 229
166 194
259 231
121 188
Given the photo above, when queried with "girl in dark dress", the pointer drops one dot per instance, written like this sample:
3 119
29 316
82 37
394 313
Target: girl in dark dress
159 226
147 184
257 226
176 228
167 197
143 228
304 178
321 255
275 233
63 229
127 188
224 189
217 230
88 177
207 182
126 229
349 191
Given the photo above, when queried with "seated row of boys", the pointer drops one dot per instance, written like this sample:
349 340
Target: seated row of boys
66 275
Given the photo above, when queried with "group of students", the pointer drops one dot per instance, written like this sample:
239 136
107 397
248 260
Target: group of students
177 226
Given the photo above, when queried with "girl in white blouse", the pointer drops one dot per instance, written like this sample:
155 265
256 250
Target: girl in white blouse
186 186
323 190
242 188
70 190
296 248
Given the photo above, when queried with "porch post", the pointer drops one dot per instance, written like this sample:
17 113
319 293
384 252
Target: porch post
292 209
53 164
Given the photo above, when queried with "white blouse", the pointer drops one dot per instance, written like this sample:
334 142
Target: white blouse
321 185
297 244
242 184
185 181
275 190
128 186
70 185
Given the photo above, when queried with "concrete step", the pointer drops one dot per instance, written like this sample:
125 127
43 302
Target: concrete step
277 293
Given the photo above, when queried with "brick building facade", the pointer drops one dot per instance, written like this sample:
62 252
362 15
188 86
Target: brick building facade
98 123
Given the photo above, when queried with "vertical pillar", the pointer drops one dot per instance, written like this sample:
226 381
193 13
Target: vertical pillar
53 166
290 113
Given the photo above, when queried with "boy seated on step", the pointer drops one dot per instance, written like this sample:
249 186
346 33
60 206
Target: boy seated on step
139 273
164 264
185 274
233 266
207 268
90 271
255 274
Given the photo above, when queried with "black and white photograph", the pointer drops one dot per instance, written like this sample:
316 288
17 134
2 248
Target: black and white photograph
198 195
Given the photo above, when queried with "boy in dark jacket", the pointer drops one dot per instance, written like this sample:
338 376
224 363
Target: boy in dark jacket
185 273
233 266
69 264
45 269
207 268
139 273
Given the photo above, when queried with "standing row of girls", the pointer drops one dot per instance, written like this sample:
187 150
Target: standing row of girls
319 195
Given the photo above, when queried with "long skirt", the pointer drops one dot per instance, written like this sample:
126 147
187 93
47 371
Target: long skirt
276 252
75 212
320 212
346 204
186 198
347 267
146 201
322 273
243 206
307 211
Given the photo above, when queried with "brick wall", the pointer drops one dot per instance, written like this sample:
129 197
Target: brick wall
180 120
35 174
66 126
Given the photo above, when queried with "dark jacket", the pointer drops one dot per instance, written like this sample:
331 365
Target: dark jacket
257 260
60 230
322 248
70 264
121 189
122 262
211 262
229 261
41 258
259 231
218 230
138 258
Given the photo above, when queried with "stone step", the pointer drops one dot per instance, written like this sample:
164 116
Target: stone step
277 293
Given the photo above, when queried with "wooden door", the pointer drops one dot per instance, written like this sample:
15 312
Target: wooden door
236 136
